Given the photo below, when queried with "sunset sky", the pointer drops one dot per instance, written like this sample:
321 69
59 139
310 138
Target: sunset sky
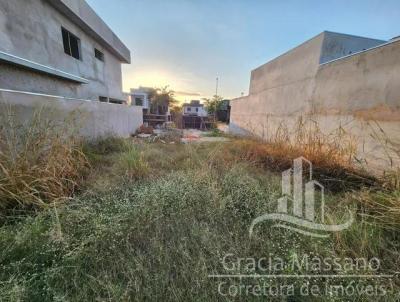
188 43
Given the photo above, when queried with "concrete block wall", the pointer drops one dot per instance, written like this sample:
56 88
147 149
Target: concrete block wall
94 119
360 93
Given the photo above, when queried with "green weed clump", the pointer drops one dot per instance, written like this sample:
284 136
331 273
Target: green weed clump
116 158
215 132
132 164
105 145
41 161
160 239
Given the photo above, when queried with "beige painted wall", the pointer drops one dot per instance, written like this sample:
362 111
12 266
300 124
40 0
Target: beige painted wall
360 93
94 119
274 86
360 82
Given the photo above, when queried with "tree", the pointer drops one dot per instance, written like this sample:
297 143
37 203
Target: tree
161 99
176 115
176 109
214 104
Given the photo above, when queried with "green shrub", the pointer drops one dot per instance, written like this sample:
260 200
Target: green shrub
215 132
105 145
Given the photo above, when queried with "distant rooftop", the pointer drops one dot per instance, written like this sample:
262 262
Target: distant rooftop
337 45
193 103
142 89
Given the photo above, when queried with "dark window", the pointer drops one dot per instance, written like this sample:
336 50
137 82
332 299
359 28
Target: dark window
65 35
72 44
116 101
103 99
99 55
189 109
197 109
138 101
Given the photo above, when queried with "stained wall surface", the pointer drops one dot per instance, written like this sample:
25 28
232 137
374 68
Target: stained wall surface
91 119
359 93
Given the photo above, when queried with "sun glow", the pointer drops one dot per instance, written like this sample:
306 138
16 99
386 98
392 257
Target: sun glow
159 79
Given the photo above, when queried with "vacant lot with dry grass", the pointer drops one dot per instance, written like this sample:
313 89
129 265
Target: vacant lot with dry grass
146 221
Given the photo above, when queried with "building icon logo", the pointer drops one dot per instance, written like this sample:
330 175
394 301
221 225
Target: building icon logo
296 208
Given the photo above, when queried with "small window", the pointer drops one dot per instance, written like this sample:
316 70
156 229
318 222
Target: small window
138 101
189 109
197 109
72 44
103 99
99 55
116 101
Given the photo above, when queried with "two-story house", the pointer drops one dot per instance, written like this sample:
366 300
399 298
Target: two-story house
194 108
60 48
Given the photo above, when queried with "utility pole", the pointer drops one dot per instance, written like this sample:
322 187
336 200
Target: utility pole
216 86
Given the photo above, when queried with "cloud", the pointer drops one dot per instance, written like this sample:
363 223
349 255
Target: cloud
186 93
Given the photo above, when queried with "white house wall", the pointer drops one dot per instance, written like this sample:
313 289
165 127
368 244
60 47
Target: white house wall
201 111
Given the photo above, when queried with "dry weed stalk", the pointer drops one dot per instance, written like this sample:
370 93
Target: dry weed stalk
332 154
41 161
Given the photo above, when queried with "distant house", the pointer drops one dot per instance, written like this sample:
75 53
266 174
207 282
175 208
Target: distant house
153 114
60 48
141 97
194 108
195 116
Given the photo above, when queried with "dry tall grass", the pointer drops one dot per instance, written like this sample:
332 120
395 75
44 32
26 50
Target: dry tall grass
383 206
41 161
170 232
333 157
332 154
